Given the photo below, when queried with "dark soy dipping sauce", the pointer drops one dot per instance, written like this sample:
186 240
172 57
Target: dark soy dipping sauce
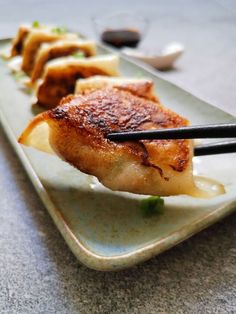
121 37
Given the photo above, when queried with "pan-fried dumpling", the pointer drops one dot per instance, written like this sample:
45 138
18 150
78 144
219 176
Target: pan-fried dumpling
142 87
61 48
60 76
22 33
18 41
34 40
76 131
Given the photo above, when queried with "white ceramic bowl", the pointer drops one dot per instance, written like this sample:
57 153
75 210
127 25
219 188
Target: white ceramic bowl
162 60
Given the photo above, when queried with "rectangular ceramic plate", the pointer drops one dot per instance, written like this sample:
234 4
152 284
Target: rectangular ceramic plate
105 229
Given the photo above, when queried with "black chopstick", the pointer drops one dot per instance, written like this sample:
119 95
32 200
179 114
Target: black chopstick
191 132
215 148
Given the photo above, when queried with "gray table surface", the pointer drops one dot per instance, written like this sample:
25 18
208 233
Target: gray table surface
38 273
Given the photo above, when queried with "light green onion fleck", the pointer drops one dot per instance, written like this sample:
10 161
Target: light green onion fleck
78 54
152 206
59 30
35 24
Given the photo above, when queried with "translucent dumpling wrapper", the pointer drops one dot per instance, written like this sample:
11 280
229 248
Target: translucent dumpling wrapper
76 132
60 76
33 41
60 48
142 87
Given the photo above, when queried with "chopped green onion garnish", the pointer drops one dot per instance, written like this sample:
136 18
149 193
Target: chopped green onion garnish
59 30
19 75
78 54
35 24
151 206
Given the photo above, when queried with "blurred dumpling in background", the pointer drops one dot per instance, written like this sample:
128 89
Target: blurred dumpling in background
142 87
61 48
33 41
18 41
60 76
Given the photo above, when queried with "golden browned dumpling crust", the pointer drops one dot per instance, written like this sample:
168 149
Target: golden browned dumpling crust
111 110
142 87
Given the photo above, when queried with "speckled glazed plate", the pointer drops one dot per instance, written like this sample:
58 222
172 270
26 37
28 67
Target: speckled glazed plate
104 229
